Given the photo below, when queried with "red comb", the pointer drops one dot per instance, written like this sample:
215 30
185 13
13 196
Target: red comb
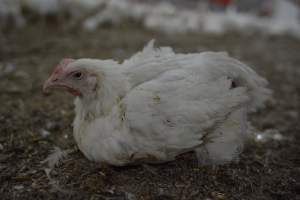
64 62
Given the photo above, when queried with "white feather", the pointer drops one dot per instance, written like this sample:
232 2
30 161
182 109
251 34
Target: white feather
55 157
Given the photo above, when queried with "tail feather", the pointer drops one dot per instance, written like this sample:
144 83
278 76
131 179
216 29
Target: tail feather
243 76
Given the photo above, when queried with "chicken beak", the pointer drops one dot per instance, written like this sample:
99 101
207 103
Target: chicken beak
54 82
49 83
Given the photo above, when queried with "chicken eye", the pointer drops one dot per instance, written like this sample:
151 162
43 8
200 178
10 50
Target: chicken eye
77 75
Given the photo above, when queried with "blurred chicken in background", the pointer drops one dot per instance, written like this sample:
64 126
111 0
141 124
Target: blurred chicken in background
167 16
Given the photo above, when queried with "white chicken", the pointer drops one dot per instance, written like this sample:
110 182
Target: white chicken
159 104
167 18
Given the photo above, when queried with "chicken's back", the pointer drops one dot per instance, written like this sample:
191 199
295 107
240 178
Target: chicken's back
184 102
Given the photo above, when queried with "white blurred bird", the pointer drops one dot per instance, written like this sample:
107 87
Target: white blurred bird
159 104
167 18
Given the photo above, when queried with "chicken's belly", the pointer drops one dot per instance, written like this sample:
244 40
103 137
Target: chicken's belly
128 149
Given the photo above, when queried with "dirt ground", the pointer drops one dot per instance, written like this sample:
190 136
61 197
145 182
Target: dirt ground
32 124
